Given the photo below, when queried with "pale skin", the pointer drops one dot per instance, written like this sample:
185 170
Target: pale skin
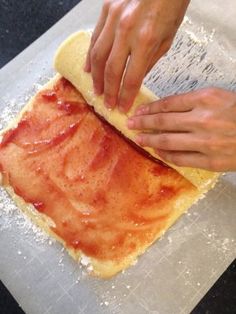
197 129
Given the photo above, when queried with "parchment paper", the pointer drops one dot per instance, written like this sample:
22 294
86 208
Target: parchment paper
179 269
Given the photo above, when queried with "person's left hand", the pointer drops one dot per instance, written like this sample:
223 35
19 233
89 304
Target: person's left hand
196 129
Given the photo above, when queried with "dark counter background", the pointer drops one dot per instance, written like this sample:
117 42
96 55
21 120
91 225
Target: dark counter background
21 22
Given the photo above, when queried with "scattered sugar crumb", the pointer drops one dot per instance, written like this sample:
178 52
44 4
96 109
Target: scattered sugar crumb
85 261
77 280
37 86
90 268
133 263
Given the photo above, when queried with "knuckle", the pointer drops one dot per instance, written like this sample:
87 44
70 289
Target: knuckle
141 122
204 121
126 24
209 94
203 144
177 160
159 121
215 164
164 105
212 91
213 147
164 142
146 36
216 146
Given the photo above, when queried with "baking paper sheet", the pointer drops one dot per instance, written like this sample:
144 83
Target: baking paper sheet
175 273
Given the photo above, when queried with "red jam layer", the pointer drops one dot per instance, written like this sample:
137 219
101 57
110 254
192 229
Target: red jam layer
103 195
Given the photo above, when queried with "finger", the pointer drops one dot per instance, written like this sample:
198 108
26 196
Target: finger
161 122
114 70
151 65
100 24
185 159
177 103
132 81
160 52
100 53
170 141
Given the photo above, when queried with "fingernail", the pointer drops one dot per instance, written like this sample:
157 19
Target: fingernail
142 110
97 90
110 102
122 109
87 68
139 140
122 106
138 112
130 123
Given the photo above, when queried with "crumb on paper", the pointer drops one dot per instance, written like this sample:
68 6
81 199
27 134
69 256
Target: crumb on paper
90 268
187 20
11 215
85 261
37 86
77 280
134 262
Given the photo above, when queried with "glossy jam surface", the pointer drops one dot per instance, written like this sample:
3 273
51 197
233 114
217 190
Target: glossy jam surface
104 196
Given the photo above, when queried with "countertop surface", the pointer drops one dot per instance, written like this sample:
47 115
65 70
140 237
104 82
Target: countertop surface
21 22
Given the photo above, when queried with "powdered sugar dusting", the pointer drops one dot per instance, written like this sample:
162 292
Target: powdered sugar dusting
9 112
9 213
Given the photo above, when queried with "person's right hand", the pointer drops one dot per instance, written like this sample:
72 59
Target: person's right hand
130 36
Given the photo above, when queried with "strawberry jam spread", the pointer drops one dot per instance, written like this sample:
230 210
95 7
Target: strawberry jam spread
104 197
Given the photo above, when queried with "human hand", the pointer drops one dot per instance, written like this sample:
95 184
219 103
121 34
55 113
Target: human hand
130 36
196 129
